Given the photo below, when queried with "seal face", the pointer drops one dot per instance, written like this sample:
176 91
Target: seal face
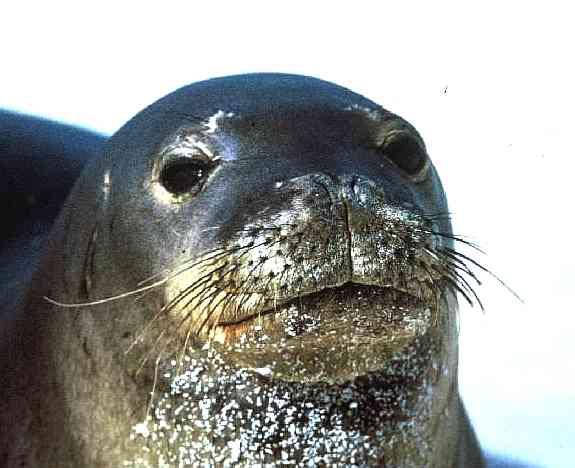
272 255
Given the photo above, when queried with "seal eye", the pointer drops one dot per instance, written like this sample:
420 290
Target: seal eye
406 152
185 175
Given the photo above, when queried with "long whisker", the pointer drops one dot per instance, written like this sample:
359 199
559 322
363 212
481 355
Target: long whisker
482 268
213 255
149 352
122 295
456 239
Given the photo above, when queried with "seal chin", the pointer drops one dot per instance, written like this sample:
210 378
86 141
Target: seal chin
332 335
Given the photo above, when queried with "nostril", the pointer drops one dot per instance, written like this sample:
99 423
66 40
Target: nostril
355 185
350 187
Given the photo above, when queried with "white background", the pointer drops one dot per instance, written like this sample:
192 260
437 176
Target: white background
490 87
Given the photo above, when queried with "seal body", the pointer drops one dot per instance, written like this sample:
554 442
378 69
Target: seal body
257 270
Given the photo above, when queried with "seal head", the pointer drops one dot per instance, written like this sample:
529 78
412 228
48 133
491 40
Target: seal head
268 237
290 215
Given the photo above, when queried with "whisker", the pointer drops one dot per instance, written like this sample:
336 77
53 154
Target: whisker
465 284
149 352
118 296
152 393
201 281
457 263
184 349
482 268
458 288
455 238
184 266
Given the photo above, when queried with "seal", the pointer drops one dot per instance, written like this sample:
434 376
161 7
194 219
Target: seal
258 270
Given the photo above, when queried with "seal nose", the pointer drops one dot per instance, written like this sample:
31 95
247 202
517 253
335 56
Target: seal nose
360 197
363 201
349 186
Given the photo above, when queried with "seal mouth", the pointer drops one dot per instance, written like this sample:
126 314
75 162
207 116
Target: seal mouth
334 334
322 295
